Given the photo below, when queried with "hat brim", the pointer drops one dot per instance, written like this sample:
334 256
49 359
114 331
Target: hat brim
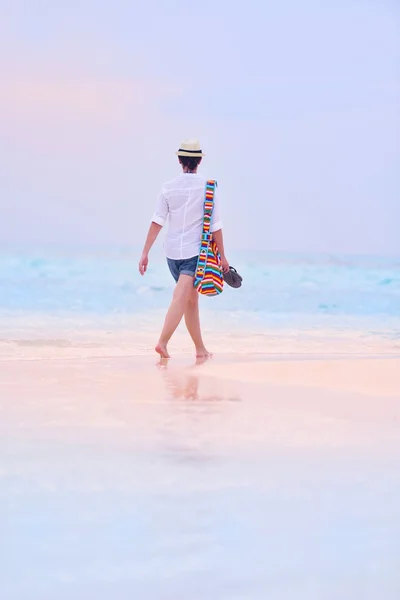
193 154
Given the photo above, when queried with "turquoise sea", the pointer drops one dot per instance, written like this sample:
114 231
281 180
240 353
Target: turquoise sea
285 291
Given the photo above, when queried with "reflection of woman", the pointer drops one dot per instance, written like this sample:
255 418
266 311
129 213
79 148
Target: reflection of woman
185 388
183 385
181 202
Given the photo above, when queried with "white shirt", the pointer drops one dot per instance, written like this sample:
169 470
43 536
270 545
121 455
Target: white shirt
181 202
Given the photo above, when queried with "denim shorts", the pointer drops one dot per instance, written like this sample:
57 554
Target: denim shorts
184 266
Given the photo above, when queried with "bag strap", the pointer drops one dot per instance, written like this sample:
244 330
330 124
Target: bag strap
208 206
206 236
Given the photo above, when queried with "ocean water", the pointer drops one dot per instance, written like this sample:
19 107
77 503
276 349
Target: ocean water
103 289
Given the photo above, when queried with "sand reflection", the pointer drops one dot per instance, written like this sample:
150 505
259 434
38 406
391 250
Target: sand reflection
187 383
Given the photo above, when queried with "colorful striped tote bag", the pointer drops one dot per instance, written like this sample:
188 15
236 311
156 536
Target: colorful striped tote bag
209 278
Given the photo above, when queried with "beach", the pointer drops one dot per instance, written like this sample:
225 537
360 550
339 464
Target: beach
237 478
270 470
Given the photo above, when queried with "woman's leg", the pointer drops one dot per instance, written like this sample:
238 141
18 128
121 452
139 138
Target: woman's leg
192 320
175 313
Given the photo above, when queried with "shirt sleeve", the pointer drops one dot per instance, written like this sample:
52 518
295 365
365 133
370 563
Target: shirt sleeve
216 223
161 212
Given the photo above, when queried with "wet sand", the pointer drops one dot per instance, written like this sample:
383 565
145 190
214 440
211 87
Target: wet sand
371 376
127 477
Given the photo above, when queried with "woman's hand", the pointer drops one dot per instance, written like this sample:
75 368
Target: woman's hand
143 263
224 264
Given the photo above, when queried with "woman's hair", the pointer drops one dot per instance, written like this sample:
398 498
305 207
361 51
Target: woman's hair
191 162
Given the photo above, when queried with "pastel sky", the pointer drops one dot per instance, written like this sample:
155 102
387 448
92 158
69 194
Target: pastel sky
296 105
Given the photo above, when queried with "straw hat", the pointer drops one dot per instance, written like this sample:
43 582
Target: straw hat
190 148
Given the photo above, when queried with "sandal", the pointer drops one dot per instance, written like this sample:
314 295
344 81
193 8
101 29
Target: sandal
233 278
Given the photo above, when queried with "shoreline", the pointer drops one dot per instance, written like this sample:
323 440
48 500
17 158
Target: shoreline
43 342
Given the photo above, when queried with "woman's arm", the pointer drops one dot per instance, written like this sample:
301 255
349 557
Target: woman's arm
154 230
158 221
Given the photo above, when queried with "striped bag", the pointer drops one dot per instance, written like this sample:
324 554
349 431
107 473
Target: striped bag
209 278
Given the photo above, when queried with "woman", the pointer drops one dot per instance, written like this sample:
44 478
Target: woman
181 201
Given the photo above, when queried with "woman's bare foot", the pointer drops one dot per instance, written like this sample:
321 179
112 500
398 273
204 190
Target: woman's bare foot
162 350
203 353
